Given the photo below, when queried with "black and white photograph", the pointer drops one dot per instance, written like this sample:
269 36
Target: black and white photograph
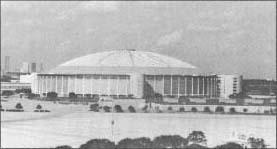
138 74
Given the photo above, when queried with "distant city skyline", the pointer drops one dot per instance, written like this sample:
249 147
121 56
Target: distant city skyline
218 37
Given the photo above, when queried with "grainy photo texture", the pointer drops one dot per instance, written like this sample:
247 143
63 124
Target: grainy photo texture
138 74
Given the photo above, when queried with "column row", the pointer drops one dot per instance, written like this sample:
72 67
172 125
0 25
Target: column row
182 85
84 84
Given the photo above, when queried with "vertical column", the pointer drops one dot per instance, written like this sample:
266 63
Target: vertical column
208 94
198 86
208 86
100 85
163 85
62 93
192 86
203 86
39 87
91 85
45 80
109 82
211 87
75 81
51 84
170 84
178 86
83 85
154 83
41 84
68 83
216 87
48 83
42 87
126 85
117 82
186 86
56 84
212 81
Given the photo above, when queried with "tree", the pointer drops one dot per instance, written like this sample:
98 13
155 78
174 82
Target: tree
131 109
229 145
7 93
23 90
245 110
207 109
149 93
1 107
219 109
98 144
118 108
158 98
145 108
197 137
169 108
63 147
72 95
39 107
107 109
5 78
135 143
169 141
256 142
181 109
196 146
52 95
241 95
193 109
232 110
31 95
18 106
94 107
183 99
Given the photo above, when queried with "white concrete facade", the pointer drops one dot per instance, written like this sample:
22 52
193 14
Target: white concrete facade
182 85
134 84
229 84
83 84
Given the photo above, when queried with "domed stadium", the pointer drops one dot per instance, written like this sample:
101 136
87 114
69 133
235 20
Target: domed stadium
128 73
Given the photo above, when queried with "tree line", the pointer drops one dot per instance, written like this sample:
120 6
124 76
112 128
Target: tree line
195 140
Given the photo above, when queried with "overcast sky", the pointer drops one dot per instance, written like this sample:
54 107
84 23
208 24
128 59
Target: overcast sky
218 37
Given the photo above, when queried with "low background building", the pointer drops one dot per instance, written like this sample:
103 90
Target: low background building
12 86
259 87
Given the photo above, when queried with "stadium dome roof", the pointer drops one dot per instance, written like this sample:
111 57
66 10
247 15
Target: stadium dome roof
124 61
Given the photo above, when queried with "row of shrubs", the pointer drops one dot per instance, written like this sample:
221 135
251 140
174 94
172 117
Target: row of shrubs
117 108
19 108
196 139
220 109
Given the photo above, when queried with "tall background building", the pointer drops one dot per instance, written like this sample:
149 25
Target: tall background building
25 67
33 67
229 84
7 64
41 68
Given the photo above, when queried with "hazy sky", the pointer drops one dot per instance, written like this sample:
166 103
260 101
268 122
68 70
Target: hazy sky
219 37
